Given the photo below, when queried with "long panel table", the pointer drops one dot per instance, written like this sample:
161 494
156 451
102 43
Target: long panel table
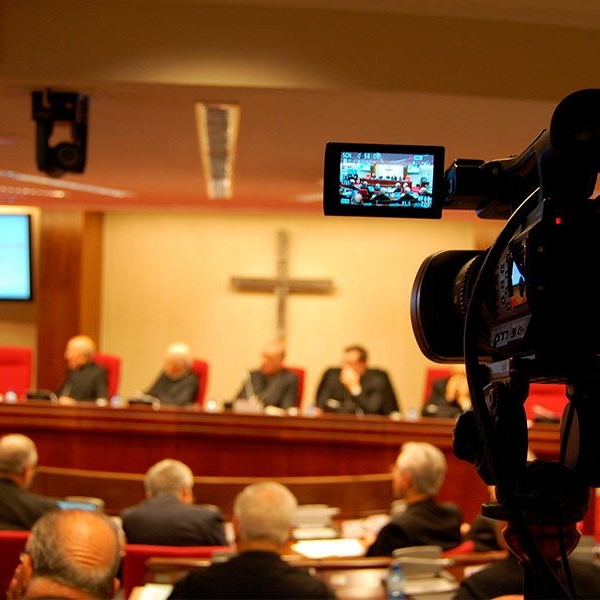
131 439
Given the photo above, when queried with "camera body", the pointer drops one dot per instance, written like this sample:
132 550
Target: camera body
538 306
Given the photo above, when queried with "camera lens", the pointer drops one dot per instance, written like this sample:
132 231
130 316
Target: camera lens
439 300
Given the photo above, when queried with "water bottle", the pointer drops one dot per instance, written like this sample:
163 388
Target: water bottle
396 582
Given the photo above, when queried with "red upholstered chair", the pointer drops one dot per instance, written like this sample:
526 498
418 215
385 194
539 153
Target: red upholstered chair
300 372
136 555
15 369
200 367
12 544
112 364
433 373
548 396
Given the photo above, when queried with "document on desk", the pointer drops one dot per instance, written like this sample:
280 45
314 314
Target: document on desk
340 547
153 591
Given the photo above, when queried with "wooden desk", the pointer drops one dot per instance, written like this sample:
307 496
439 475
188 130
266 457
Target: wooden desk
216 444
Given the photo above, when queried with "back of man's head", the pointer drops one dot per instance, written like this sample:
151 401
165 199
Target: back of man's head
168 477
74 554
427 465
17 452
264 512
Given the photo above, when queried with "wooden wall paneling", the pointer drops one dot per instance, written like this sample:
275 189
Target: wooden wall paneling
69 282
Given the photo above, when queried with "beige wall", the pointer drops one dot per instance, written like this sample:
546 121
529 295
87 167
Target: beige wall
167 277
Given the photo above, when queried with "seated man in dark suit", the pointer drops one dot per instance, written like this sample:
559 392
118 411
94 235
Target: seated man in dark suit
449 396
19 508
263 518
86 379
70 554
176 384
419 472
355 388
272 384
169 516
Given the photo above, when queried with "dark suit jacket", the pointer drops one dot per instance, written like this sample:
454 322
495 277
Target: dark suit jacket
165 520
252 574
175 392
421 524
376 398
279 390
19 508
88 382
437 405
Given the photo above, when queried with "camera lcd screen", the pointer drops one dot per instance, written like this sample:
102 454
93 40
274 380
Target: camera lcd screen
383 180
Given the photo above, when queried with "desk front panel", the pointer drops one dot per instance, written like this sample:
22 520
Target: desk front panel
132 439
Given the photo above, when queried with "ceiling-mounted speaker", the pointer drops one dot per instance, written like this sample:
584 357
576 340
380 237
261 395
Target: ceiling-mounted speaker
63 109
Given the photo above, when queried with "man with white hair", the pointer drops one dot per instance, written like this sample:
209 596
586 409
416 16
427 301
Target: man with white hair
19 508
168 515
85 379
263 519
177 384
418 474
272 384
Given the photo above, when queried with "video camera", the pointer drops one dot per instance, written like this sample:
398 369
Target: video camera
526 309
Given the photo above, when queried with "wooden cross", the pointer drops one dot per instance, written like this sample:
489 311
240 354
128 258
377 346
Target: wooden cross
281 284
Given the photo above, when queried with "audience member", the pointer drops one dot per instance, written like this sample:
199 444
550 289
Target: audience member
356 388
70 554
449 395
86 379
168 515
19 508
272 384
263 519
418 474
177 384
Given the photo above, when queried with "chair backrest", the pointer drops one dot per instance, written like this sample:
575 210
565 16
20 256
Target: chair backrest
300 372
549 396
200 367
112 364
15 369
136 555
12 544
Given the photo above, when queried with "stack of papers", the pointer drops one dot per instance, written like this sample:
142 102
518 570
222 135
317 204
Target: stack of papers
338 548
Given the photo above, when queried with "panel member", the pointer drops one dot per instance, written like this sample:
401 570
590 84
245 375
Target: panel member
355 388
85 379
263 519
449 396
19 508
272 384
168 515
177 384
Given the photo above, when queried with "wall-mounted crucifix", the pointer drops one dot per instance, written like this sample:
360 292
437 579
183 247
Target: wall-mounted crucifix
282 285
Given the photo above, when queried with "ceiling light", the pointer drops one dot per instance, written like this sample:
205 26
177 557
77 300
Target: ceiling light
217 125
69 185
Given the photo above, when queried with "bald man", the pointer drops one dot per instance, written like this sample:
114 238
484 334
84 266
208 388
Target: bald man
70 554
85 379
272 383
177 384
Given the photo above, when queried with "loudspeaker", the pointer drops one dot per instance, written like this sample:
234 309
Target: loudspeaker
70 108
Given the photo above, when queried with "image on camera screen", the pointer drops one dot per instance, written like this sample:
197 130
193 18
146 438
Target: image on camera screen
383 180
